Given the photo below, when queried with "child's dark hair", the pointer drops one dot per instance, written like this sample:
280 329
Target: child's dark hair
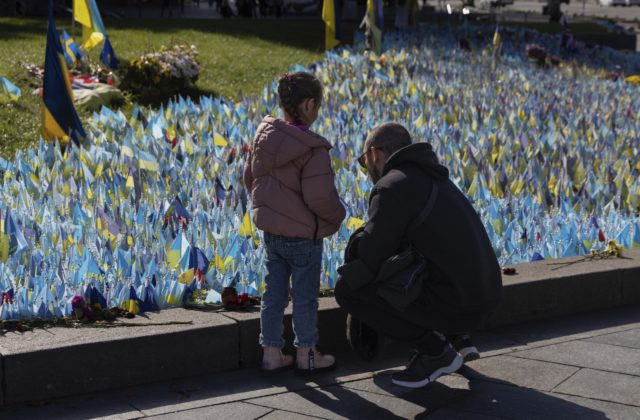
293 88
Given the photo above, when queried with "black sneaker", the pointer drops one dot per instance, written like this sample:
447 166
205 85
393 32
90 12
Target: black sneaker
422 369
463 345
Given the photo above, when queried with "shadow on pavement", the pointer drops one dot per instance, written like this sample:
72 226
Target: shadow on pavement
469 394
592 323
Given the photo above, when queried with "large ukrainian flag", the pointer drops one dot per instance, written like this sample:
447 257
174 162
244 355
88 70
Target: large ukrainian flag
86 13
376 20
59 117
331 18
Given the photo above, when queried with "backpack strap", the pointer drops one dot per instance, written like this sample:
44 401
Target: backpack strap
425 211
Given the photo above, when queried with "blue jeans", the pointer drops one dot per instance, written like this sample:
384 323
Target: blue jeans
293 264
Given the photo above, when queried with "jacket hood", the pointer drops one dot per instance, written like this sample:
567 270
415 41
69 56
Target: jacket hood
420 154
286 141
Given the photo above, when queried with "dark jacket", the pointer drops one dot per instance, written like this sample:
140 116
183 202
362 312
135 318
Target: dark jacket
464 274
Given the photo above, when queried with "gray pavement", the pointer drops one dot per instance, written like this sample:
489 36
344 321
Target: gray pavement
575 8
583 366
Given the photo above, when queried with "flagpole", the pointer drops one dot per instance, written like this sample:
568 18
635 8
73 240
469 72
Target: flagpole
73 19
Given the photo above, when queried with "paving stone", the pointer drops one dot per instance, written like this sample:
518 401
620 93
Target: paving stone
453 414
589 355
236 411
285 415
186 394
607 386
629 338
338 402
609 409
522 372
507 401
453 396
568 328
489 343
381 384
94 407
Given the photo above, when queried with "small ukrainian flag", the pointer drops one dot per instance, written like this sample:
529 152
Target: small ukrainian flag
9 90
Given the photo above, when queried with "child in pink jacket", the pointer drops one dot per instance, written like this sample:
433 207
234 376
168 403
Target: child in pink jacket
295 203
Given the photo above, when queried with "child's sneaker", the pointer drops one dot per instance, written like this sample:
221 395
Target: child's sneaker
274 361
423 369
463 345
310 361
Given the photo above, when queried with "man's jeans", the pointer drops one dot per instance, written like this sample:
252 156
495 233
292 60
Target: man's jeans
298 260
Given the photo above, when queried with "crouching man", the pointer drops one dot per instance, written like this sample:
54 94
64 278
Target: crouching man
422 269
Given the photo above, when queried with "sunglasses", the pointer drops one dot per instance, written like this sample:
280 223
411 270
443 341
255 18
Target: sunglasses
362 159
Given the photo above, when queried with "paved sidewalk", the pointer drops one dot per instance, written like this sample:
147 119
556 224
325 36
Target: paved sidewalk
585 366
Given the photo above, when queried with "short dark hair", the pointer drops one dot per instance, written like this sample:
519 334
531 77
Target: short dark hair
293 88
389 137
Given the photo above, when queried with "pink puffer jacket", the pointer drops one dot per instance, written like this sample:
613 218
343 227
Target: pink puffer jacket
289 175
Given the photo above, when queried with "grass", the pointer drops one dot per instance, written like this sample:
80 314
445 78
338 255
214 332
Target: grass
236 56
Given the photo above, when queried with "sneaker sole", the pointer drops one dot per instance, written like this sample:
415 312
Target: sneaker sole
453 367
310 372
469 353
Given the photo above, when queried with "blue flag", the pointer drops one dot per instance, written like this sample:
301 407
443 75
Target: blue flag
72 52
108 56
59 117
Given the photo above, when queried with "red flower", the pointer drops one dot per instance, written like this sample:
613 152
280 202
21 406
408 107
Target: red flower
232 156
6 298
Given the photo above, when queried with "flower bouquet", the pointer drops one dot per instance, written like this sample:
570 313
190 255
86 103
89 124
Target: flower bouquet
161 74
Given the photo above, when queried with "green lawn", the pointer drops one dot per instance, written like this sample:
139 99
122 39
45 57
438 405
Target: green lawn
235 55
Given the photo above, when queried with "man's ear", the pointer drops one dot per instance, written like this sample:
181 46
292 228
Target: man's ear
377 155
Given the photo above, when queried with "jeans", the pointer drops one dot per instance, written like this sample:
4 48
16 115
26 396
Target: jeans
293 266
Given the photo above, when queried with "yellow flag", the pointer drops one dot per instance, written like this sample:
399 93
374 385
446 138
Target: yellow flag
329 19
186 277
132 306
92 31
354 223
4 247
219 263
218 140
247 229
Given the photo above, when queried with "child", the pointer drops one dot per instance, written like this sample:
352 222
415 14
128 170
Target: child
295 202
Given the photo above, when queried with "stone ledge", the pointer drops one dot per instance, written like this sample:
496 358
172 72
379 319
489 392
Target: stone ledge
59 362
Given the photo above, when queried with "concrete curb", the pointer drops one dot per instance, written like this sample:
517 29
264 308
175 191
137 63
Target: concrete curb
45 364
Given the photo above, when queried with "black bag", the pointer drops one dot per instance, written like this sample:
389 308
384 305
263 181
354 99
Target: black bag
401 276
